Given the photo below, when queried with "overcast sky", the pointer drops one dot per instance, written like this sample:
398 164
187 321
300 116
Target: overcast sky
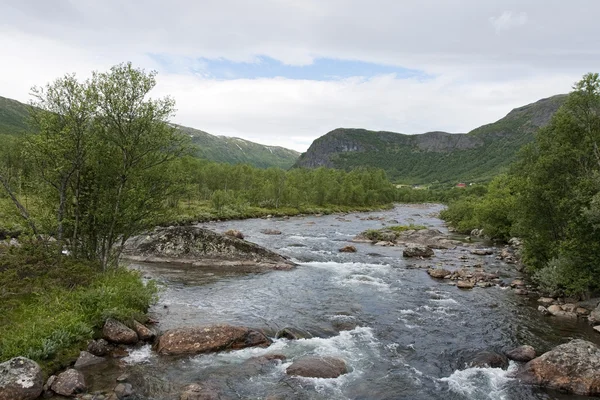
284 72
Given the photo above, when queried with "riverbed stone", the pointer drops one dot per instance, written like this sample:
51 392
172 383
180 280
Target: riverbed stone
317 367
465 284
99 347
438 273
124 391
594 316
204 391
203 339
86 359
417 250
546 301
143 332
347 249
557 311
270 232
235 233
69 383
20 379
523 353
116 332
489 359
573 367
482 252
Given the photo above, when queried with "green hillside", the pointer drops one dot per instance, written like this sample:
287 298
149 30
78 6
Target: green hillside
14 116
434 156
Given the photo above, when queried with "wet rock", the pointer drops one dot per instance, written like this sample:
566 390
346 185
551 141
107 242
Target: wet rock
594 317
270 232
557 311
438 273
348 249
482 252
197 391
572 367
235 233
523 353
116 332
143 332
465 284
124 391
317 367
417 250
582 312
569 307
344 322
291 333
201 247
521 292
20 379
543 310
516 283
383 244
204 339
546 301
86 359
489 359
69 383
99 347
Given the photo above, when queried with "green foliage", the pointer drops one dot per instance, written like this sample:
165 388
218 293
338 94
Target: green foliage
49 303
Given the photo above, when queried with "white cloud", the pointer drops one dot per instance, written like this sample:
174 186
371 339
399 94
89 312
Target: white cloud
477 75
507 20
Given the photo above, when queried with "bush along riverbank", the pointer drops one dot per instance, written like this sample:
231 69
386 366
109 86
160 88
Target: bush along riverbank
52 304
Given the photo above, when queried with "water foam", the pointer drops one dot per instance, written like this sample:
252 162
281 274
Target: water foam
481 383
141 355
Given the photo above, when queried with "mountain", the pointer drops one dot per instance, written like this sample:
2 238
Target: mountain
14 116
234 150
434 156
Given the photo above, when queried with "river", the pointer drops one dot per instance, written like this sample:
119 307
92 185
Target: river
411 335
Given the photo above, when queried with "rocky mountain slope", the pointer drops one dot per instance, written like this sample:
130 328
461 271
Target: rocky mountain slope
14 120
434 156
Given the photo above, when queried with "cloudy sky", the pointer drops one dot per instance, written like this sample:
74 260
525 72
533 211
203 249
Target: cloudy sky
284 72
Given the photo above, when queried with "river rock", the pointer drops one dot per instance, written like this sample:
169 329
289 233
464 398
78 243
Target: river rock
317 367
124 391
489 359
291 333
523 353
465 284
116 332
516 283
594 316
235 233
69 383
99 347
20 379
417 250
521 292
557 311
201 247
86 359
205 339
482 252
348 249
546 301
196 391
270 232
438 273
572 367
143 332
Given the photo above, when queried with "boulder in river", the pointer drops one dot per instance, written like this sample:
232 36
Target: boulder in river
489 359
347 249
116 332
86 359
438 273
69 383
204 339
317 367
99 347
20 379
558 311
417 250
465 284
235 233
270 232
201 247
143 332
204 391
523 353
573 367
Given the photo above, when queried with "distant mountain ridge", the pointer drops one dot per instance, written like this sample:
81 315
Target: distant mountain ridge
434 156
14 120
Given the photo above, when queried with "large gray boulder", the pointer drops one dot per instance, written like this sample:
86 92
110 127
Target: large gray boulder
417 250
20 379
116 332
201 247
204 339
572 367
523 353
317 367
69 383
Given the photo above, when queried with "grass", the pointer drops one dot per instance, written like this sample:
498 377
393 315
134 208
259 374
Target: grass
51 305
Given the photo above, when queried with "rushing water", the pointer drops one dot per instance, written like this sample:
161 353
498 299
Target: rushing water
412 334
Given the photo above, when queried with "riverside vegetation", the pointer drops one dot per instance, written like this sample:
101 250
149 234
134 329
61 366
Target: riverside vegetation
550 198
98 163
